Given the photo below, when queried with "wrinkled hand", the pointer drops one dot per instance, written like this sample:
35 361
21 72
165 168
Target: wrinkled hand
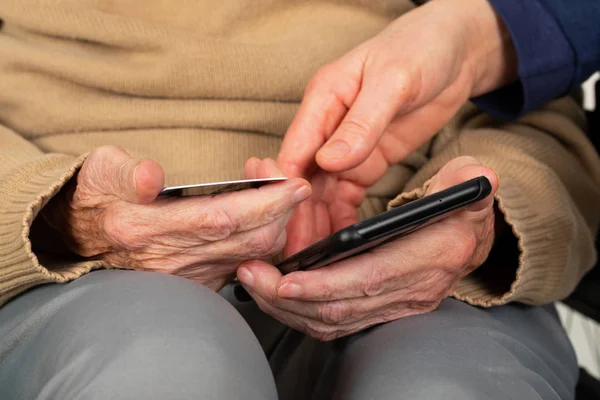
410 275
113 214
376 104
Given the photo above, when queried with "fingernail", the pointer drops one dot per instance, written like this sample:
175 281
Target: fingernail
337 149
289 289
301 194
245 277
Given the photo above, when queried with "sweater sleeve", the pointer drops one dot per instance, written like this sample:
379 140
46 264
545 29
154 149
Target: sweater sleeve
548 197
28 180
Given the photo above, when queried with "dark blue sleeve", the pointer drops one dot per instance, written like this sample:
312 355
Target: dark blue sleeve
558 46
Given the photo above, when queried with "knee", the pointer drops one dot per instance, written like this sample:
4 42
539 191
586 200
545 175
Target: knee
459 352
129 307
144 335
454 382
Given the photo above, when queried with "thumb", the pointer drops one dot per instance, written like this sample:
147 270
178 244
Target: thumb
114 172
327 98
381 97
462 169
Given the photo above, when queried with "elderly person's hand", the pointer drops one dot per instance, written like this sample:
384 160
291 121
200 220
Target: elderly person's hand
408 276
113 213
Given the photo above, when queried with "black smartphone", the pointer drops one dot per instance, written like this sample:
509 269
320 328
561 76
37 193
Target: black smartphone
362 236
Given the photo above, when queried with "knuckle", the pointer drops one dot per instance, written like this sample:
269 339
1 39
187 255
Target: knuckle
434 287
315 329
442 291
455 252
278 210
271 299
321 332
274 300
463 253
430 297
442 250
407 84
326 337
104 157
106 150
215 224
263 243
334 313
422 301
425 306
356 130
118 231
312 327
320 78
375 282
278 245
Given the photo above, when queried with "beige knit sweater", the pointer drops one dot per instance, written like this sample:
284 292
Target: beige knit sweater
201 86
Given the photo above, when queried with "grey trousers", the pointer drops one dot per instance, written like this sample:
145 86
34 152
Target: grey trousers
134 335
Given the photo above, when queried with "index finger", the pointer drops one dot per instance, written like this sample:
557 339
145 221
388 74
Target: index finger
217 217
326 101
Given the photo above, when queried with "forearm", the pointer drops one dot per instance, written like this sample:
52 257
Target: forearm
489 49
492 54
526 53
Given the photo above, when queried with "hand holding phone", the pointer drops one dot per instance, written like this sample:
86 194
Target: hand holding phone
382 228
405 276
